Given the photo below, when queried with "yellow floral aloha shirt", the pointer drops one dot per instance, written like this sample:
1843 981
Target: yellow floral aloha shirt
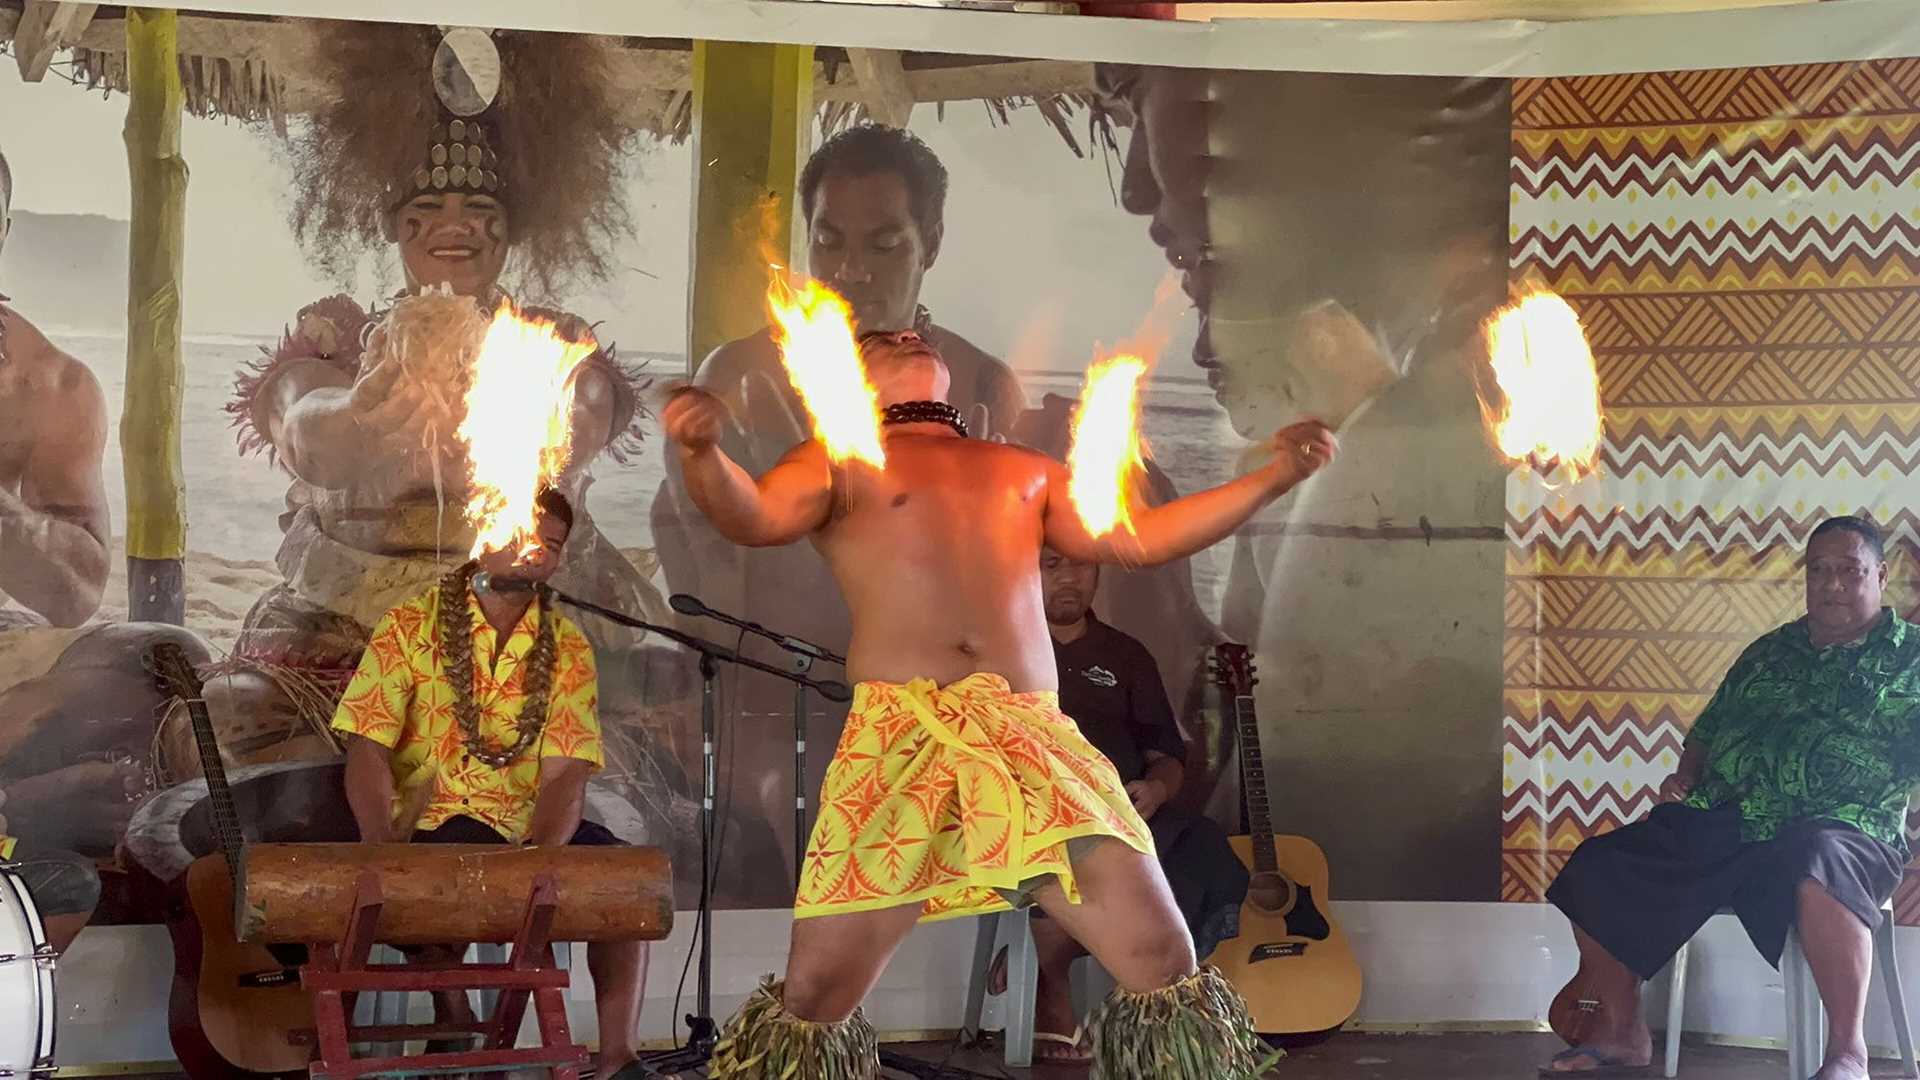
400 698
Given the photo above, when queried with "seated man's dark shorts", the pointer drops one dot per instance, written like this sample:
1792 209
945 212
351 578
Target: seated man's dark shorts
1644 890
466 830
60 882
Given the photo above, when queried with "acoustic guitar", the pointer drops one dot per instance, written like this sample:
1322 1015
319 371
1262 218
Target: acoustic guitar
1292 961
236 1010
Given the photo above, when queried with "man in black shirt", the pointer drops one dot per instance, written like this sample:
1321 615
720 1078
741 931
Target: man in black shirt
1110 686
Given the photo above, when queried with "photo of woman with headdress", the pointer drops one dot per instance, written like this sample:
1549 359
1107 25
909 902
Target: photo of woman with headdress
474 161
487 167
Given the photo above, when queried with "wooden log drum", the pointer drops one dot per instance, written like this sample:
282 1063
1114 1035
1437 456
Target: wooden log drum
442 893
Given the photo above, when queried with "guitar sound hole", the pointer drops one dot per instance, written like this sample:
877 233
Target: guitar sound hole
1271 893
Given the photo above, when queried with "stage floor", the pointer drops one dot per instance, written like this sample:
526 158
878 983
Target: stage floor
1382 1057
1434 1057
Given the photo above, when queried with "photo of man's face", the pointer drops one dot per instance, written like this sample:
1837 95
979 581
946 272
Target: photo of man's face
1326 226
864 241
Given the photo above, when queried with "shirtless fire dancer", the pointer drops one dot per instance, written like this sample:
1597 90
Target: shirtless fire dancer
959 787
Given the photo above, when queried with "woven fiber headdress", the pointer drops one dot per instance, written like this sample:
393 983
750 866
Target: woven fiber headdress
532 119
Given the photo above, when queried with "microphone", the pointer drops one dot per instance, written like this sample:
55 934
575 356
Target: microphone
486 582
690 605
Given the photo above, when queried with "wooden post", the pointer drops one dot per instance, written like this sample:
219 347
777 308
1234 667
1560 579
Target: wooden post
150 417
883 85
751 108
45 28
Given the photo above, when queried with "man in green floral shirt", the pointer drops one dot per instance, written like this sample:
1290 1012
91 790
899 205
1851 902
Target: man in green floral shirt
1788 805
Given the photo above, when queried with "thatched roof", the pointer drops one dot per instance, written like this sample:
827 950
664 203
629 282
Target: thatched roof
247 68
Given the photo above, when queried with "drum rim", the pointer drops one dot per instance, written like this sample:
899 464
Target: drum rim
41 957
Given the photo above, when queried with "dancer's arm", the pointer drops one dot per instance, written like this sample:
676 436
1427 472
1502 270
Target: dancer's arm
1179 528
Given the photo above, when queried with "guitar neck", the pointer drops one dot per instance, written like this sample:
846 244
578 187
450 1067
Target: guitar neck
1253 773
226 818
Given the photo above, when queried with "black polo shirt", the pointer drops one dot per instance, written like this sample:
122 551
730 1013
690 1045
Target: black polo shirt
1111 687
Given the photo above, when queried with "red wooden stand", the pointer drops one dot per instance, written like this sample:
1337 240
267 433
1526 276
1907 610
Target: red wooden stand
338 970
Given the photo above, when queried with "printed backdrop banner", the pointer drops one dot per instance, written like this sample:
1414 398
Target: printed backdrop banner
1740 245
1464 669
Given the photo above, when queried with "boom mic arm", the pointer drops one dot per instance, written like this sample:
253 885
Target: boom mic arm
690 605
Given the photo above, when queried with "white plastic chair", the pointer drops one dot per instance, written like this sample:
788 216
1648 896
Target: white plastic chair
1014 930
1806 1017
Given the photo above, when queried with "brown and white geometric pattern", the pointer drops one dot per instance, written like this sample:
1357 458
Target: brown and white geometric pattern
1743 247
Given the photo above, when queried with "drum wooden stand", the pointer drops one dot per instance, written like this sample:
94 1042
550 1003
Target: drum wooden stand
339 969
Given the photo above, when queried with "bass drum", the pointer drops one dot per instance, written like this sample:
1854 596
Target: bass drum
26 983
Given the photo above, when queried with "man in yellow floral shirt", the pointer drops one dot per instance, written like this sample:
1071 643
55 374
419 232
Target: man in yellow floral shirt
472 720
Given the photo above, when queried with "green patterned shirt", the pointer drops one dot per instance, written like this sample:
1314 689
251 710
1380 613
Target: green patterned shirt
1796 732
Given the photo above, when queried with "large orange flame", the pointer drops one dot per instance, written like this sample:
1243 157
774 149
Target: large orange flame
1105 458
1549 412
518 428
814 331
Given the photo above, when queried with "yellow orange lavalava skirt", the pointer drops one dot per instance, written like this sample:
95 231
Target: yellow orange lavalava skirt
941 795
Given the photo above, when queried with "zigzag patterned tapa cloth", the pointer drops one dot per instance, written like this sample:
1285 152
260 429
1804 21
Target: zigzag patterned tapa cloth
941 795
1743 246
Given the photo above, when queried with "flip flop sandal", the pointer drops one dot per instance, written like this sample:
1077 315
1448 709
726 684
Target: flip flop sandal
1602 1064
1077 1052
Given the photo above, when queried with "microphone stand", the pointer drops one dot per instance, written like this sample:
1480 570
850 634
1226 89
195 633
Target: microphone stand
803 654
801 664
702 1032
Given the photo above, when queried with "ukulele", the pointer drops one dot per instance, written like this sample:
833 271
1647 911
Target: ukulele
236 1010
1291 961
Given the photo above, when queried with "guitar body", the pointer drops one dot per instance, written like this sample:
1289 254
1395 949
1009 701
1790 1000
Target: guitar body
222 1028
1291 961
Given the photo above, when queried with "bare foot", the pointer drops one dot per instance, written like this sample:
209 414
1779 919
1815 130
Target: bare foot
1846 1065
